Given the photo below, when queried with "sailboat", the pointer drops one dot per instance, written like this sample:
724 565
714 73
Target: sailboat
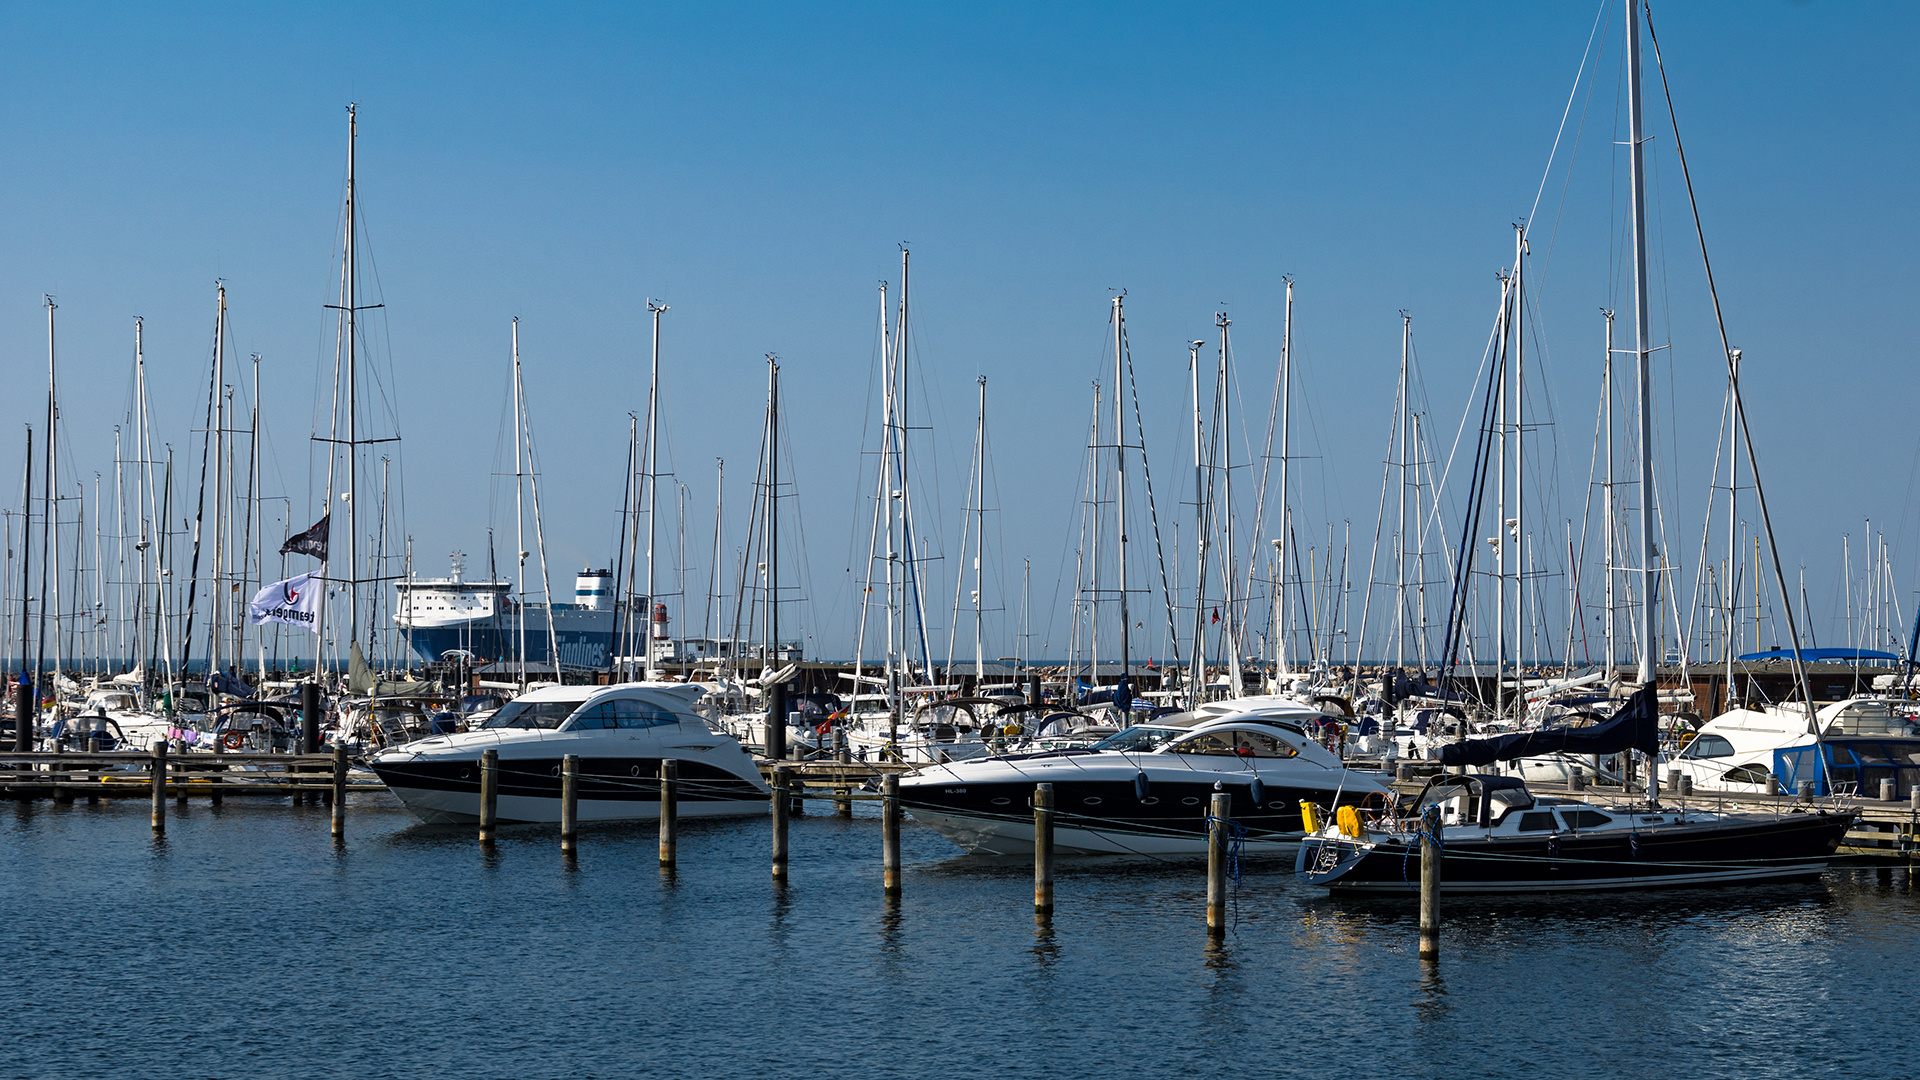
1497 836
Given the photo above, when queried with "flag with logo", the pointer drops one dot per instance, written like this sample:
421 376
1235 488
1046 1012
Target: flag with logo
312 542
295 601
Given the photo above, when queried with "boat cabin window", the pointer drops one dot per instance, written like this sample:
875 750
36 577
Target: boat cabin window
1506 800
1747 774
1139 738
620 713
1234 744
531 714
1536 821
1708 746
1583 819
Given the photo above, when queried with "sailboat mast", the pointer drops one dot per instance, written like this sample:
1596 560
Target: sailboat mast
350 304
773 519
1400 505
1282 628
979 536
1519 533
1196 681
1229 565
1733 494
519 512
653 483
1120 476
49 519
1606 500
1643 367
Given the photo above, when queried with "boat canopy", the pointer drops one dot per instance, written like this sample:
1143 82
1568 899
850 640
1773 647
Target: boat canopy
1819 656
1635 727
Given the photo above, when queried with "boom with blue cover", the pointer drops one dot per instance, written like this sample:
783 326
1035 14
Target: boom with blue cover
1634 727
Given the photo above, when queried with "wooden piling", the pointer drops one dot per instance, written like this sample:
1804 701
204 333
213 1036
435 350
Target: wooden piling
669 811
569 802
844 805
782 781
890 833
1219 813
1430 855
1043 849
159 779
56 773
339 793
489 792
1887 788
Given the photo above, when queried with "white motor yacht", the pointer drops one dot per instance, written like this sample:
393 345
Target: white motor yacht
1147 790
620 733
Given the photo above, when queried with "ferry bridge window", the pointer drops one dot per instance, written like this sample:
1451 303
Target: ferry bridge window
1707 746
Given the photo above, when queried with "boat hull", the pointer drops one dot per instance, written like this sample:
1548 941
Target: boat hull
1715 852
1110 817
610 789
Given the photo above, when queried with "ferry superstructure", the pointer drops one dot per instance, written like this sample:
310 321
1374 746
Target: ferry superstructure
441 615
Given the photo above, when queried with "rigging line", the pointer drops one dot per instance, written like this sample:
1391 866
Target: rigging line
1153 513
1568 111
1553 235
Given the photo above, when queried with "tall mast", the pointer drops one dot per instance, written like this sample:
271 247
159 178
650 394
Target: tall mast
653 481
1519 460
49 519
218 609
1120 477
979 535
1282 664
1400 506
1229 566
1733 489
519 513
1643 367
350 303
773 518
1196 680
1606 501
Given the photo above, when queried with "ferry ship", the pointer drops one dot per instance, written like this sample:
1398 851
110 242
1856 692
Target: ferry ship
440 615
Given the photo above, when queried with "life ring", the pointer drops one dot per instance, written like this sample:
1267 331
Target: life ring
233 740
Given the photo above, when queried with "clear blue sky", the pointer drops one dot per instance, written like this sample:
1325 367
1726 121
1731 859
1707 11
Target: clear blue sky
757 166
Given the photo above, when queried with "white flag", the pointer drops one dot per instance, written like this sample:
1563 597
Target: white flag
295 600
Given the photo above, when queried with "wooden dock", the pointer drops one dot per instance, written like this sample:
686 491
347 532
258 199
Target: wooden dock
125 774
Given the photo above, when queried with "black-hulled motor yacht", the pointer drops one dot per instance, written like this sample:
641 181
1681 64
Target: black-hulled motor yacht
1498 837
1146 789
620 733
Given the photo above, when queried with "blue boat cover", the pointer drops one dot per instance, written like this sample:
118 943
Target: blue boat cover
1635 727
1815 656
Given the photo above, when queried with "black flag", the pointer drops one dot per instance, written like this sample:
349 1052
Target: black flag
312 542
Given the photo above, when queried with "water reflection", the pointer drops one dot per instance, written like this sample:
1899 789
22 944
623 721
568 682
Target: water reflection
892 942
1430 1004
1046 945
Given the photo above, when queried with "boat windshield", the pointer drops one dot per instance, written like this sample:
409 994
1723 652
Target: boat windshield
531 714
1139 738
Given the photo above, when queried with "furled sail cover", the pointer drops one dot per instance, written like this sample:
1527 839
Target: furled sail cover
1635 727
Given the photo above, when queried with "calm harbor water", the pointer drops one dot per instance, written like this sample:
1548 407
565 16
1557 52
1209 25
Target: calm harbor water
246 944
